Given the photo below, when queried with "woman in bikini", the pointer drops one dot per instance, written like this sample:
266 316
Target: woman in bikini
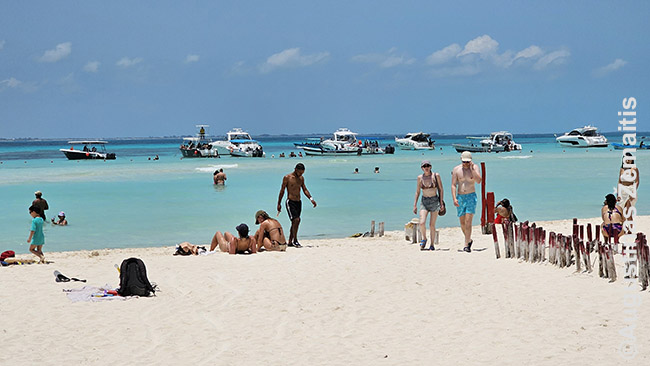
432 194
612 219
270 234
229 243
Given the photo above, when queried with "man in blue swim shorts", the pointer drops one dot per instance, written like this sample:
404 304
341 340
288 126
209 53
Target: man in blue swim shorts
463 180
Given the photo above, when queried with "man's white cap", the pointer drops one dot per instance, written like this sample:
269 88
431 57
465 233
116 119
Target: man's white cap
466 156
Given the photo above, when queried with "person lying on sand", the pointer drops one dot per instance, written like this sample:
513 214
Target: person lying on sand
187 248
229 243
270 234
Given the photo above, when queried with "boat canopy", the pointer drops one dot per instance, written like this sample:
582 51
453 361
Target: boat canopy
89 142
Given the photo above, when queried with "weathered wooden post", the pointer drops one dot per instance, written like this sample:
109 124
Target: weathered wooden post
381 228
517 240
372 228
576 245
551 247
567 251
489 225
511 238
483 203
611 266
496 243
599 248
531 243
587 255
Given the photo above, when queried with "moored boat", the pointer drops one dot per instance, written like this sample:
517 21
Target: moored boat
239 143
92 152
586 136
500 141
415 141
199 146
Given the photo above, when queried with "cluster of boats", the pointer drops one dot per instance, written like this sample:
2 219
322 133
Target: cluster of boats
343 142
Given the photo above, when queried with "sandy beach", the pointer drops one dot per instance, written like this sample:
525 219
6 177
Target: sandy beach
350 301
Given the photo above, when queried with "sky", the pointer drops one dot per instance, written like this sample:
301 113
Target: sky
106 69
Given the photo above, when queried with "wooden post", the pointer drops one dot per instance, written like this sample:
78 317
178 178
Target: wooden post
489 208
517 239
414 237
504 229
496 241
611 266
599 249
483 212
576 245
381 228
372 228
511 239
531 243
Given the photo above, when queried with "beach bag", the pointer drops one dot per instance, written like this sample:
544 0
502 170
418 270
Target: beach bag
133 279
443 208
7 254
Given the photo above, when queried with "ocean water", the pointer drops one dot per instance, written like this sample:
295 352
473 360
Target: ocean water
136 202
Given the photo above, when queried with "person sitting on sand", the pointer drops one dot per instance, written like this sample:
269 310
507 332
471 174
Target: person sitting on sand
613 219
187 248
61 220
229 243
270 234
504 212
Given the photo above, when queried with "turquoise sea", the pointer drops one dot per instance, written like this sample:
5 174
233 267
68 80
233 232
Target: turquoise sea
136 202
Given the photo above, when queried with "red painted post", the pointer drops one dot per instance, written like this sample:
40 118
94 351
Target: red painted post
483 194
490 207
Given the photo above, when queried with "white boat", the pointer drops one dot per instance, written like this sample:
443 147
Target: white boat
87 152
500 141
415 141
586 136
199 146
246 149
343 142
239 143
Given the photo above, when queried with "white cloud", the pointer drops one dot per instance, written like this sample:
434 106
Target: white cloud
13 83
484 46
9 83
2 44
385 60
126 62
554 58
92 66
530 52
61 51
191 58
444 55
292 58
617 64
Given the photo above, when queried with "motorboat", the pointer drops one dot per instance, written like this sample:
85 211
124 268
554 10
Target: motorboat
586 136
239 143
246 149
415 141
371 147
199 146
92 149
500 141
343 142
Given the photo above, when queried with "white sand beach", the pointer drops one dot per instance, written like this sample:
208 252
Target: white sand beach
351 301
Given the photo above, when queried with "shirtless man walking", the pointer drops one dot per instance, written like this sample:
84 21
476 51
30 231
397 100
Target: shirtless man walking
463 191
293 182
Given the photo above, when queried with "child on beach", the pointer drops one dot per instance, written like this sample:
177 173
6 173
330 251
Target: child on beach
36 233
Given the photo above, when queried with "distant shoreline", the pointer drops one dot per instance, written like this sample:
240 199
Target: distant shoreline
293 136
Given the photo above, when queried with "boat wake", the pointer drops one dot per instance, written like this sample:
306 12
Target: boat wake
211 168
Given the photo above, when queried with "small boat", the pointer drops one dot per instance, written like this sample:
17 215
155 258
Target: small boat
239 143
199 146
343 142
371 147
640 146
415 141
87 152
586 136
500 141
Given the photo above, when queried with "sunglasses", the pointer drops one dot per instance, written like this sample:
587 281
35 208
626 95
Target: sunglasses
426 166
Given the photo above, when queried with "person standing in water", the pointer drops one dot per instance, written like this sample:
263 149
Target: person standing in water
463 191
293 183
41 203
430 184
219 177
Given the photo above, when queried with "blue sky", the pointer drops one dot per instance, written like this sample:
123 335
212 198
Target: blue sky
155 68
